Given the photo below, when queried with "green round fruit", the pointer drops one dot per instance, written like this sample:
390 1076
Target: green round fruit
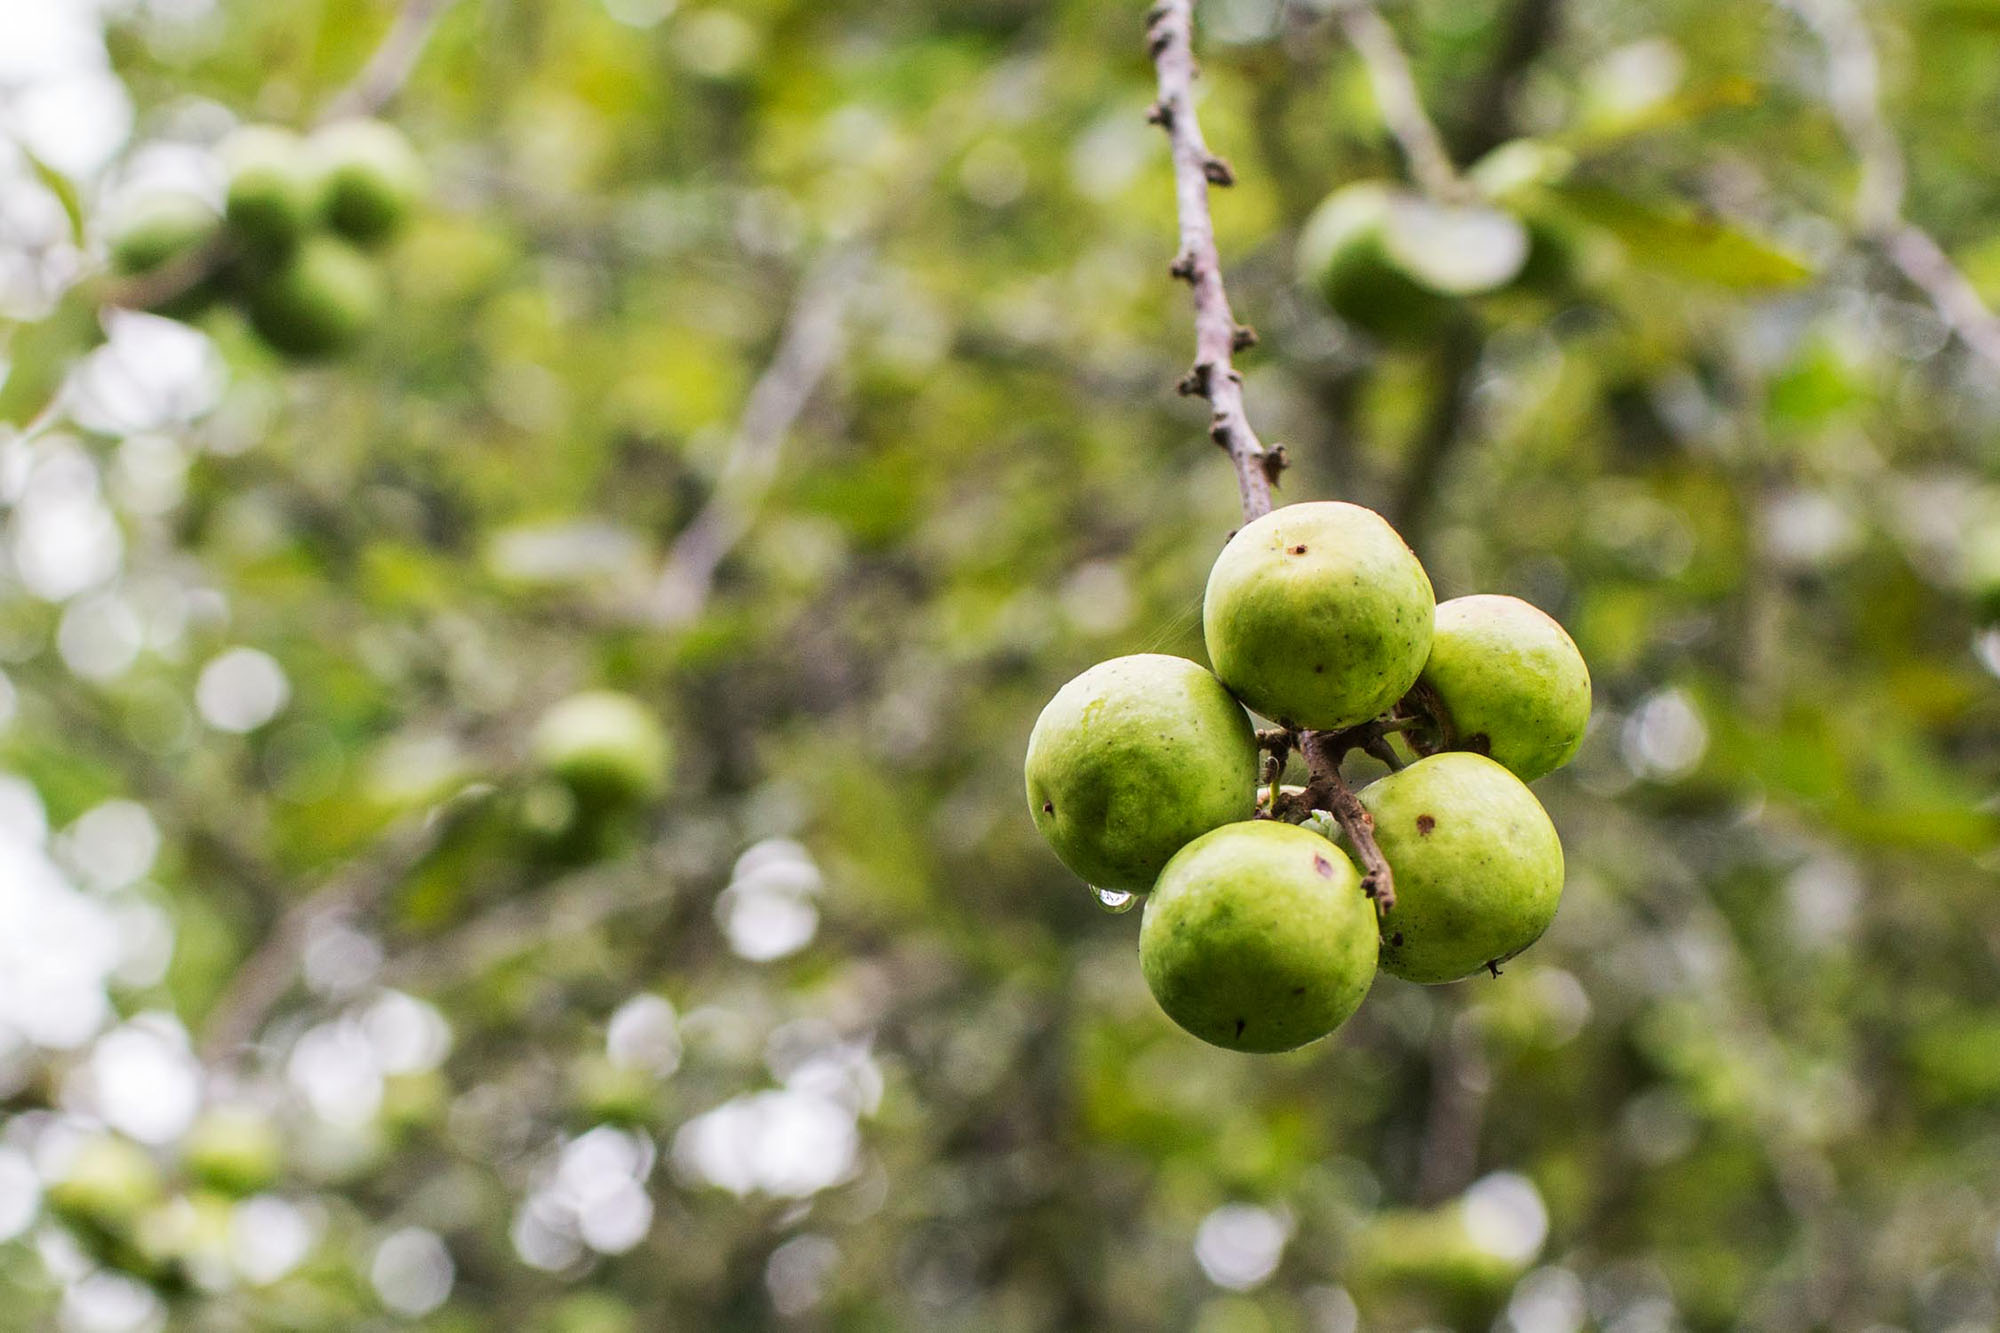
370 179
1258 937
1317 615
606 747
1478 866
1504 680
1343 254
319 302
233 1150
273 190
1132 760
161 230
167 230
109 1185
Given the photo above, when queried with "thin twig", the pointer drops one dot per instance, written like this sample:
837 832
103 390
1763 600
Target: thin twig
807 350
1217 335
390 67
262 980
1396 95
564 909
1854 94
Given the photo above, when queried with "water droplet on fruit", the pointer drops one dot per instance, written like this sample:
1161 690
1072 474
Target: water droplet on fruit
1114 900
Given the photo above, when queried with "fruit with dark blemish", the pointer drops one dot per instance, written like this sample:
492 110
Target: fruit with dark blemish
1477 885
1257 937
1132 760
1318 615
1505 680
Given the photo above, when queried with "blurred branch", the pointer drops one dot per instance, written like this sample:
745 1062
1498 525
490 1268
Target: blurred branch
570 906
1457 356
1487 118
807 350
264 977
1217 335
1396 94
390 67
1460 1081
1854 93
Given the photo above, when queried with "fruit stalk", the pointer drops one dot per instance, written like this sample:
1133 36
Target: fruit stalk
1329 791
1217 335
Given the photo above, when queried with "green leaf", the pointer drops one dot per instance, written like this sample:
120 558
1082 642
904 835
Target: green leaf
38 356
1680 242
64 190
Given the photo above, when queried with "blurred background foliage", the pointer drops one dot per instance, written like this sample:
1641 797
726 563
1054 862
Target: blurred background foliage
302 1024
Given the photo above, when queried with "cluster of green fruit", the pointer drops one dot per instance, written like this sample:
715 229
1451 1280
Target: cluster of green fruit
290 244
1143 775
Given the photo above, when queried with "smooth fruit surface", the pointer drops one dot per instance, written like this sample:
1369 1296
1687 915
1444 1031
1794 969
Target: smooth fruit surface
1258 937
272 188
1478 866
1343 255
1318 615
1134 759
1505 680
371 179
161 230
319 302
604 745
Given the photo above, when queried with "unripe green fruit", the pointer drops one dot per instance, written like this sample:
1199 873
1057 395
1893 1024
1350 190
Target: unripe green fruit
234 1150
370 179
108 1185
1343 254
1258 937
319 302
1132 760
1478 867
1317 615
273 189
606 747
161 230
1505 680
166 230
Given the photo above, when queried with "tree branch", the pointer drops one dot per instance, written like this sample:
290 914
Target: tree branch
390 67
1396 95
807 350
1217 335
1487 118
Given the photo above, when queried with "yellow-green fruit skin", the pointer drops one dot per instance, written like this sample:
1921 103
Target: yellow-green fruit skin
1478 867
1505 680
371 179
1318 615
319 302
1258 938
1134 759
605 746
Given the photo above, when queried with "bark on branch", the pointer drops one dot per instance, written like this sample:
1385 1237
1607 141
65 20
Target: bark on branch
1217 335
